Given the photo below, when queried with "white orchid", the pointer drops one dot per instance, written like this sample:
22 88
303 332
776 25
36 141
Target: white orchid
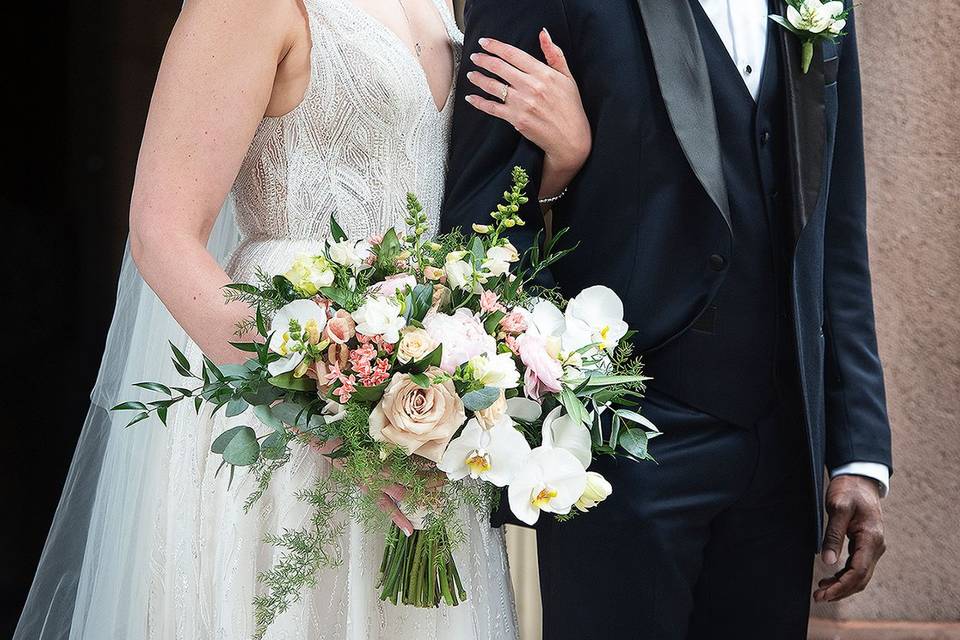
563 432
294 325
495 370
550 479
380 315
350 253
493 455
594 316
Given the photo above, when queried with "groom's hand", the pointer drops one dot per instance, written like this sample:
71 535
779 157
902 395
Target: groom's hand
853 508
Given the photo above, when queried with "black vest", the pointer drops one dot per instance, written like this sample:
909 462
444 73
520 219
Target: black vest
727 363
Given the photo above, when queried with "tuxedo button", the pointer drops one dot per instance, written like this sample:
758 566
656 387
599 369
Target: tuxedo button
748 69
718 262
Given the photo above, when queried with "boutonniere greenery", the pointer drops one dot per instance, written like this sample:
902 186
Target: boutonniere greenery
812 21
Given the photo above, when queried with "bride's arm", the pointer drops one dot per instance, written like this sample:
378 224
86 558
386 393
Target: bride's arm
216 81
542 103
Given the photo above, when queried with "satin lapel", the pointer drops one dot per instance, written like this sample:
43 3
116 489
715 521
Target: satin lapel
685 85
806 125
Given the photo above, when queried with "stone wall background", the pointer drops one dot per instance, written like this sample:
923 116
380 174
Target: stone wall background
911 77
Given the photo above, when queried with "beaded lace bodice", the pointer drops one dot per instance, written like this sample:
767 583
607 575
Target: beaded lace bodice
366 133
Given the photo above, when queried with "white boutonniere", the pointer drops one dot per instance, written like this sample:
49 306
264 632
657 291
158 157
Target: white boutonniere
812 21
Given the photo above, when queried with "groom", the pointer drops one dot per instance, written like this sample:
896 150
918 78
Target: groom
724 202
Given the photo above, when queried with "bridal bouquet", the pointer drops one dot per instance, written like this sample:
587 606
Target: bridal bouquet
427 364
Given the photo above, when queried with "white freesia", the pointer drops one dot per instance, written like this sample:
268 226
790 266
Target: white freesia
493 455
308 318
350 253
815 16
597 490
380 315
495 370
594 316
549 479
563 432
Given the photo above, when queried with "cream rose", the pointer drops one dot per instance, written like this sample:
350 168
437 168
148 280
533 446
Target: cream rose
421 421
415 344
491 415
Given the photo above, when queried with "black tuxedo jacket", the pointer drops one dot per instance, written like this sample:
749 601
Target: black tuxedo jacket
661 245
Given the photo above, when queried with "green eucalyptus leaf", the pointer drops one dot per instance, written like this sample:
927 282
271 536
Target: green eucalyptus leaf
274 446
265 415
162 414
572 405
633 416
235 407
290 382
481 398
634 442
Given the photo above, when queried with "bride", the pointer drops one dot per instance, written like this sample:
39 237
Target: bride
289 112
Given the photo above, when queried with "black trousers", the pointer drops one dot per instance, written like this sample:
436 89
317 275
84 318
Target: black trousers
714 542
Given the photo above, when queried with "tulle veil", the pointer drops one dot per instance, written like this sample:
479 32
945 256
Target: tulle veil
91 582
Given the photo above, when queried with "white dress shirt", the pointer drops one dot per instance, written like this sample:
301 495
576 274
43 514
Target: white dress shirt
744 25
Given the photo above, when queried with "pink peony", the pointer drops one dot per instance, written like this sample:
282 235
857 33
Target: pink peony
462 336
543 370
390 286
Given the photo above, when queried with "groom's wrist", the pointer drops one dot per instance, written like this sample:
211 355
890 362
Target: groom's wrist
876 471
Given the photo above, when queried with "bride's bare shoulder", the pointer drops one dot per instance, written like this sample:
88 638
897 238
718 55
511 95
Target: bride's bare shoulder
274 22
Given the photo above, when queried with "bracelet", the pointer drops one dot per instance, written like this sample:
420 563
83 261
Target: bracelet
553 199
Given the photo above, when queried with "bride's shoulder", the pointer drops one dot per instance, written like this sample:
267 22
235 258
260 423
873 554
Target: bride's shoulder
230 20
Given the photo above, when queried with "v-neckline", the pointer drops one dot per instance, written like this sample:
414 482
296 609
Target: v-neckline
394 38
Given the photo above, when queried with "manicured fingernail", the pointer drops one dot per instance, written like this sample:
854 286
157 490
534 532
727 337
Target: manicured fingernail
474 57
830 556
548 34
469 99
471 75
483 41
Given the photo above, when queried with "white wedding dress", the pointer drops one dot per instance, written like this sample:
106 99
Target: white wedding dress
170 553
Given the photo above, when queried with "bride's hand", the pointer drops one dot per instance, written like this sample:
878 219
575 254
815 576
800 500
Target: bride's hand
541 101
